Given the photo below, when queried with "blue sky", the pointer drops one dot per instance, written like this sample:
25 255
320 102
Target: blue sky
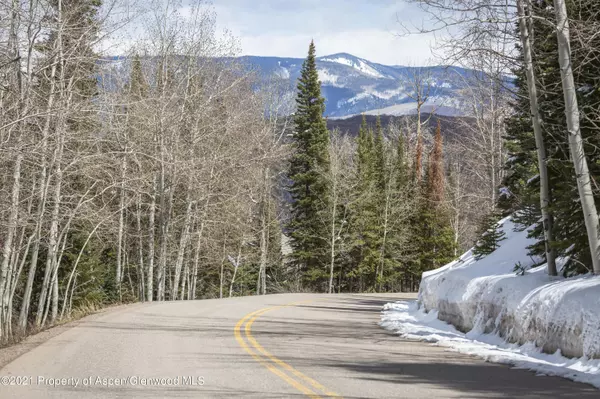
365 28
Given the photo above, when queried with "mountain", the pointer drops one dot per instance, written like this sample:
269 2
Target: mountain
353 85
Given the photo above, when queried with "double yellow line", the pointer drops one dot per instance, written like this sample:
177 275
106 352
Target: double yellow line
303 383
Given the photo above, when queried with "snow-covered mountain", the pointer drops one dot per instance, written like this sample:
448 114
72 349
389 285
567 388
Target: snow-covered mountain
353 85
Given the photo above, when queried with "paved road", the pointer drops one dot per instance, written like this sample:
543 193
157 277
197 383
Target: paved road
257 347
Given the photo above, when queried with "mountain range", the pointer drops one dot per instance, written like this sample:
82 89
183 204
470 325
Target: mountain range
353 85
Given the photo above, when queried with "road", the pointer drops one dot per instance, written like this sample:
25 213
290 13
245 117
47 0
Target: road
276 346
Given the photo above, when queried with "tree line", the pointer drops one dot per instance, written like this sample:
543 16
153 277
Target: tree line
367 213
550 141
145 177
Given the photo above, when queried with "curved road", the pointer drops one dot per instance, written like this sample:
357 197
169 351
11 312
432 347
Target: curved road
277 346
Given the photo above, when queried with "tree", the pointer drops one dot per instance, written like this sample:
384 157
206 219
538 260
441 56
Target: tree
582 174
434 231
308 188
491 234
340 178
547 217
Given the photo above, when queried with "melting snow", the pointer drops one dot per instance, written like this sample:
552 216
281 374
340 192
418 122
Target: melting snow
547 317
406 319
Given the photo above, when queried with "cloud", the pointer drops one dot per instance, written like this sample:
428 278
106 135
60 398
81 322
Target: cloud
384 47
284 28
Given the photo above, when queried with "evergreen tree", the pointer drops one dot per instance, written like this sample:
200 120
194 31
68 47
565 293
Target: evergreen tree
308 188
138 87
491 234
364 217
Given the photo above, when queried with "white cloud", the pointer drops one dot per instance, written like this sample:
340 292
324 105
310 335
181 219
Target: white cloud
358 27
380 46
283 28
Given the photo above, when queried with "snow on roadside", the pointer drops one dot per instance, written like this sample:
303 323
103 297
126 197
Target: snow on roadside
548 324
406 319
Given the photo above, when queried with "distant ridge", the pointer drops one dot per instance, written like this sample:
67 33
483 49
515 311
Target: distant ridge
352 85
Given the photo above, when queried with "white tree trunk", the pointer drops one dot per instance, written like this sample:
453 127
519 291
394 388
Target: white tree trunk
236 265
53 233
183 242
194 279
13 213
525 35
151 243
118 272
142 277
261 288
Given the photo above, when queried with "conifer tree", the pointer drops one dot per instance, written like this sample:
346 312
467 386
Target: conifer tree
365 232
491 234
308 187
138 87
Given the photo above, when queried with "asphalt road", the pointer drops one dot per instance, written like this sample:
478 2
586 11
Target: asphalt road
278 346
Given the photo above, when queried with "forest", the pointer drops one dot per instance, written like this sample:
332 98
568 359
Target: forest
172 172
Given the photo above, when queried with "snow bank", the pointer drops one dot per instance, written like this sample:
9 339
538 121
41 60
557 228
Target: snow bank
411 322
554 315
486 295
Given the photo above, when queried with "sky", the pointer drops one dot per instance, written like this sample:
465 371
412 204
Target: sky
365 28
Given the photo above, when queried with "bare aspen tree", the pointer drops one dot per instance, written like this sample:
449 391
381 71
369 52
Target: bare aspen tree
525 36
338 176
420 90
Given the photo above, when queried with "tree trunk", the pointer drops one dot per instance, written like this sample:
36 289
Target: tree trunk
183 241
140 244
151 243
261 288
235 268
584 185
525 35
13 213
332 244
121 224
53 233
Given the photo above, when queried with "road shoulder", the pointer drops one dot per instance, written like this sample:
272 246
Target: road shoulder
10 353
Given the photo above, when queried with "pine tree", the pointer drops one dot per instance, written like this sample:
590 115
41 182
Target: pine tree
364 218
491 234
308 187
138 87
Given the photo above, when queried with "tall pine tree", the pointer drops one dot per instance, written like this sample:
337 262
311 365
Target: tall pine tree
307 227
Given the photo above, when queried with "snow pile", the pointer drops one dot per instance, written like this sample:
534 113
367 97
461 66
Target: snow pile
485 298
411 322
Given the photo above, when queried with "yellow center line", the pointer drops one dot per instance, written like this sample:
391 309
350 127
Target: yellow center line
249 319
269 366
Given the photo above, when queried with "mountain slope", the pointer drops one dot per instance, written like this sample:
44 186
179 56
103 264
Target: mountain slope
353 85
